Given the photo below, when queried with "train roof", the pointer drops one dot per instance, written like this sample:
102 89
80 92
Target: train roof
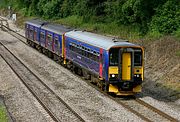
36 22
98 40
59 29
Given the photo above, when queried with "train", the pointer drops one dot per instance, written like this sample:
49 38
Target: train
115 65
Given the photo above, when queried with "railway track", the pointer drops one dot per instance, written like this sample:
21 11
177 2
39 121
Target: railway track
151 113
57 109
156 110
133 105
140 108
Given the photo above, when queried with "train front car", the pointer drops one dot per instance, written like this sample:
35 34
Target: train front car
126 69
115 65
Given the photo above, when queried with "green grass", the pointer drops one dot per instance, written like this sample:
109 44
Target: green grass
178 53
73 21
177 34
3 115
110 29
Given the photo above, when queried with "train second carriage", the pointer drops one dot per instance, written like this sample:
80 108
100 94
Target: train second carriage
115 65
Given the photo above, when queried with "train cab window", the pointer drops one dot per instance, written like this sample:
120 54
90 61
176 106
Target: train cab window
138 58
113 56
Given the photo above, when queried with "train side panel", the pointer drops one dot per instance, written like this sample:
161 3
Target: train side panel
82 54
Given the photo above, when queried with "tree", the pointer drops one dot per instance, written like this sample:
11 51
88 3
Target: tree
167 17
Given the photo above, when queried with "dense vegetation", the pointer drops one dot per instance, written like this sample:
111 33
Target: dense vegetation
143 17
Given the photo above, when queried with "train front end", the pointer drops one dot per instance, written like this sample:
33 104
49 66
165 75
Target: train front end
126 70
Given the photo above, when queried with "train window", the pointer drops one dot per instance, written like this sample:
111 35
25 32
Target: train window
31 33
56 40
91 56
31 30
70 47
42 36
138 58
113 56
49 38
83 52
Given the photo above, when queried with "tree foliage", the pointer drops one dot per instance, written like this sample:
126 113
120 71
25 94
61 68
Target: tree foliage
160 15
167 17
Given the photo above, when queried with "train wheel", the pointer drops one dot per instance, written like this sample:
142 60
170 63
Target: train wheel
69 65
40 50
102 85
44 51
32 44
27 41
79 71
86 75
50 54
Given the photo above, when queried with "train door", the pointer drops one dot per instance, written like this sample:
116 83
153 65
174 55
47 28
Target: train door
49 40
42 38
126 64
56 46
31 32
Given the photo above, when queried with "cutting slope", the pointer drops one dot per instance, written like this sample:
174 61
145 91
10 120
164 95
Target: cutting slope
163 69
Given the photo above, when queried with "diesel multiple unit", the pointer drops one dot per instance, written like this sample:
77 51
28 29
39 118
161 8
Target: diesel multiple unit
115 65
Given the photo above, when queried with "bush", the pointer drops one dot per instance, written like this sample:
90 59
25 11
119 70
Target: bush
167 18
177 33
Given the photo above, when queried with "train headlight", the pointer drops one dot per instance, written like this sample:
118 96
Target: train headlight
137 76
113 75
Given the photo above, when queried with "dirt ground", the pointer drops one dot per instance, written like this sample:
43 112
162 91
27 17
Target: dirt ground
162 69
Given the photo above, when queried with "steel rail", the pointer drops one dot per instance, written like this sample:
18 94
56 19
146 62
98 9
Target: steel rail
17 34
31 91
34 94
156 110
